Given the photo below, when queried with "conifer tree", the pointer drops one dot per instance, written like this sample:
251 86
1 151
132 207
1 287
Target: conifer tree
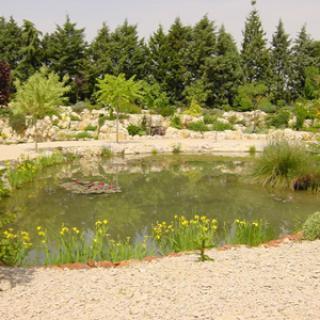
254 54
10 42
128 52
65 53
223 73
301 60
202 46
158 50
178 76
30 52
281 65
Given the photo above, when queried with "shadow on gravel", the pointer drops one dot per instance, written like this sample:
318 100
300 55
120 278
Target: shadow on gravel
10 277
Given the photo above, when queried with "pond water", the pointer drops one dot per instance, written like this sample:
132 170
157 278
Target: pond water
155 189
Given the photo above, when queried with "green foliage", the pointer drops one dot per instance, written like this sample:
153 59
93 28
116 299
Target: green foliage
106 153
84 135
282 162
176 122
312 83
40 95
176 149
250 233
254 54
250 96
135 130
196 93
199 126
280 119
311 228
194 109
27 170
18 123
301 114
91 127
252 151
183 234
14 247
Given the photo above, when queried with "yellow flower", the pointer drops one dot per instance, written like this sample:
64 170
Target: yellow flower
98 223
75 230
39 228
41 234
255 224
105 221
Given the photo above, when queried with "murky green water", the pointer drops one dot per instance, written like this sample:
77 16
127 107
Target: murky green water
153 189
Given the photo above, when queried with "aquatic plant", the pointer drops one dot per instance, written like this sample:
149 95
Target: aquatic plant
26 170
14 246
281 163
182 234
311 228
250 233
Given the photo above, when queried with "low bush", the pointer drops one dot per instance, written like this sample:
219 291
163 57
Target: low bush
280 119
18 123
221 126
199 126
83 135
90 128
176 122
135 130
311 228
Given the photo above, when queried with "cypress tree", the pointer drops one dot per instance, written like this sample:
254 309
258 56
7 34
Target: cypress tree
254 54
30 52
281 65
128 52
65 53
223 73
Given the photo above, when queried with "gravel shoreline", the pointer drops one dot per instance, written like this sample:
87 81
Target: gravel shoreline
258 283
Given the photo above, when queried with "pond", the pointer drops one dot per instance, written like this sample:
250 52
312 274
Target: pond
154 189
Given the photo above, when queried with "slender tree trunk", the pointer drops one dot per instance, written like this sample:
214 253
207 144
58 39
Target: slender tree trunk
117 125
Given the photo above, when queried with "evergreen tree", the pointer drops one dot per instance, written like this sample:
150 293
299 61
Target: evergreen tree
281 65
127 52
202 46
65 53
10 42
158 51
5 83
254 54
98 59
301 60
178 76
30 52
223 73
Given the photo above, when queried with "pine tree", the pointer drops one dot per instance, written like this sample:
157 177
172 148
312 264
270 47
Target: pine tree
202 46
178 76
301 60
281 65
223 73
30 52
65 53
254 54
128 52
10 42
5 83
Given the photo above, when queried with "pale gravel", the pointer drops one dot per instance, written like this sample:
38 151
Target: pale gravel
262 283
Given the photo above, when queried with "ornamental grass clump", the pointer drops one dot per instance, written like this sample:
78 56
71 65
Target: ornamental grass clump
250 233
283 163
182 234
311 228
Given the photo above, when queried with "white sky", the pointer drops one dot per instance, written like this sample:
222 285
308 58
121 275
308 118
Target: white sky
147 14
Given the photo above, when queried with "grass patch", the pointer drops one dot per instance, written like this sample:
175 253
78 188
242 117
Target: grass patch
198 126
311 228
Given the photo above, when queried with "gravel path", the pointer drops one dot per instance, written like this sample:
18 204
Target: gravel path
263 283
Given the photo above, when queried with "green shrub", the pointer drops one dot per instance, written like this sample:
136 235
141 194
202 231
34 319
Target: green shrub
209 119
176 122
221 126
106 153
135 130
252 150
194 109
280 119
311 228
301 114
17 122
83 135
176 149
199 126
90 128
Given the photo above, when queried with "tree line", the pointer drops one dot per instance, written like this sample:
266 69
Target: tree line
200 62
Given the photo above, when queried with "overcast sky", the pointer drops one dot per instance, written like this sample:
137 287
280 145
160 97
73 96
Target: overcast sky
147 14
